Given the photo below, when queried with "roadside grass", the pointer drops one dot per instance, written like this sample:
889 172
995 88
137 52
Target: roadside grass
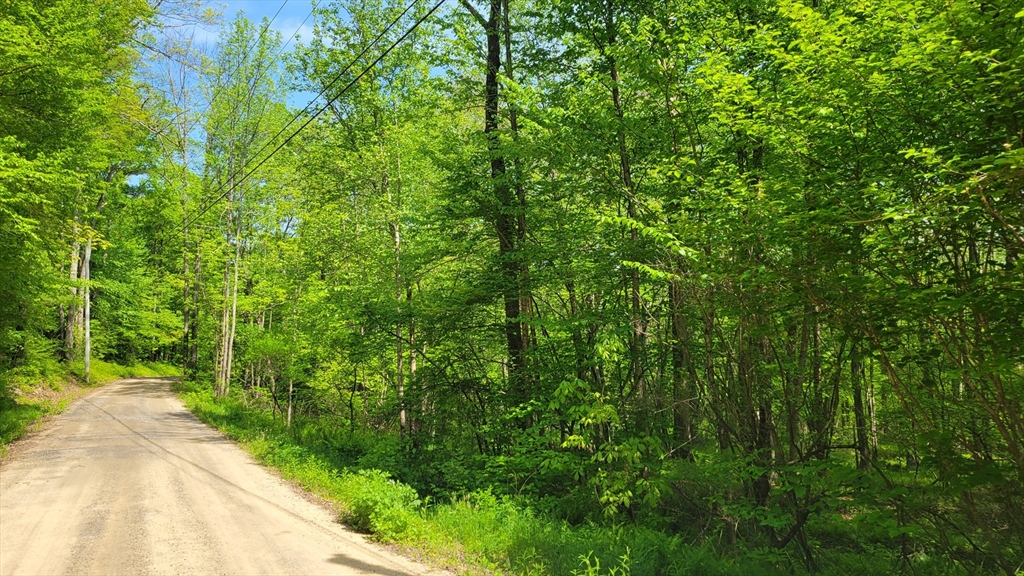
475 533
47 388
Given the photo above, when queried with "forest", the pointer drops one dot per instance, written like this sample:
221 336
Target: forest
657 286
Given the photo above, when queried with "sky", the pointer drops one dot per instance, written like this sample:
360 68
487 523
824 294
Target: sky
294 17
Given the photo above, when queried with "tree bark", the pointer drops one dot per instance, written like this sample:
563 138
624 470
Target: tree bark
234 314
291 389
186 319
193 350
70 321
525 298
400 378
229 315
637 335
506 206
86 264
860 422
222 340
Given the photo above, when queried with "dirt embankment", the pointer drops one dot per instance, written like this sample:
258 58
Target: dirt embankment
33 408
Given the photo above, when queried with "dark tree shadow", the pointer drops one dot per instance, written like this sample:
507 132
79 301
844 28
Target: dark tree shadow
356 564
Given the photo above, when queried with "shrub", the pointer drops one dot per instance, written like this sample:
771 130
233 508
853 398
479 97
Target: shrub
380 505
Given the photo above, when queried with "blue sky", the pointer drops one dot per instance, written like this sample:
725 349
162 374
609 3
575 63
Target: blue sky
293 21
288 22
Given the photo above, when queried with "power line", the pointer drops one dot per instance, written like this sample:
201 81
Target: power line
325 89
262 70
299 27
246 174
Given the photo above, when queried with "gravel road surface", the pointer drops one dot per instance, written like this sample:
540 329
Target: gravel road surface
127 481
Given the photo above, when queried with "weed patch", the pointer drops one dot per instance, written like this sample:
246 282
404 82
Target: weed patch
475 533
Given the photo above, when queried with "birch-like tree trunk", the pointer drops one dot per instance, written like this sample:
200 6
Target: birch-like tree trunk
86 264
396 237
222 337
234 313
71 318
291 389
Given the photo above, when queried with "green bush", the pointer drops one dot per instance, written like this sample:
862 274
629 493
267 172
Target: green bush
482 530
38 367
380 505
102 372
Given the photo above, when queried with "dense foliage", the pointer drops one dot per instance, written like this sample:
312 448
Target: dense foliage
741 273
69 136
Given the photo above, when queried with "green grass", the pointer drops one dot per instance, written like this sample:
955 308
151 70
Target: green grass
15 419
476 533
481 532
102 372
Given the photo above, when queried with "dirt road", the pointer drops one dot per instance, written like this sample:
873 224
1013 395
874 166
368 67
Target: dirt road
129 482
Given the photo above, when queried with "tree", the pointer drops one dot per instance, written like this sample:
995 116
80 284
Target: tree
245 109
66 87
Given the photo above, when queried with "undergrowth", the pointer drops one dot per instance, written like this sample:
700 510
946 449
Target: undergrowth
474 533
101 372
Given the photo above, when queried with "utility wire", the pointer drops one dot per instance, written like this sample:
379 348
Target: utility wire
325 89
280 48
299 27
262 70
235 183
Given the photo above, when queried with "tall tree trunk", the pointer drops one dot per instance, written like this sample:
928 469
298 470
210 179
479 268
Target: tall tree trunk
273 390
396 237
414 423
399 354
637 334
70 321
222 339
291 364
186 308
860 422
291 391
79 317
229 315
871 411
525 298
234 312
193 351
86 265
506 206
